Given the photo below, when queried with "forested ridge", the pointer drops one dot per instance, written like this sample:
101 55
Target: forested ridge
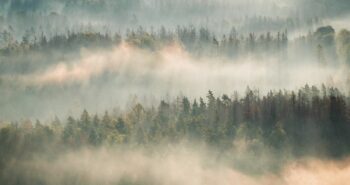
308 122
174 92
324 44
198 40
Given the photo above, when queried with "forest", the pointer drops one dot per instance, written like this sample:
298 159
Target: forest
174 92
284 125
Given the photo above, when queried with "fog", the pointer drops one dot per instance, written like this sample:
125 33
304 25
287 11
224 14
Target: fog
174 165
106 79
175 67
175 92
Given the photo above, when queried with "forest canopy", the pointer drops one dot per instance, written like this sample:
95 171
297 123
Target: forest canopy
174 92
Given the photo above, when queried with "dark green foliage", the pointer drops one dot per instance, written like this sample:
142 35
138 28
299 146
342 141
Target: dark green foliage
306 123
281 119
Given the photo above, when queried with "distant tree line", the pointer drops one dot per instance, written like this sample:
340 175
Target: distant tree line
325 44
200 41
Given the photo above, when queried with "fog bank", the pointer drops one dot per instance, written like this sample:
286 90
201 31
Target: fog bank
171 166
103 80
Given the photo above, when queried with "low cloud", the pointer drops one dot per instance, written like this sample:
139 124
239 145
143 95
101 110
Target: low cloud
100 80
173 68
175 166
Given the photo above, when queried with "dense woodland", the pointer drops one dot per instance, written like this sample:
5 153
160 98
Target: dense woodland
324 43
68 66
199 40
308 122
